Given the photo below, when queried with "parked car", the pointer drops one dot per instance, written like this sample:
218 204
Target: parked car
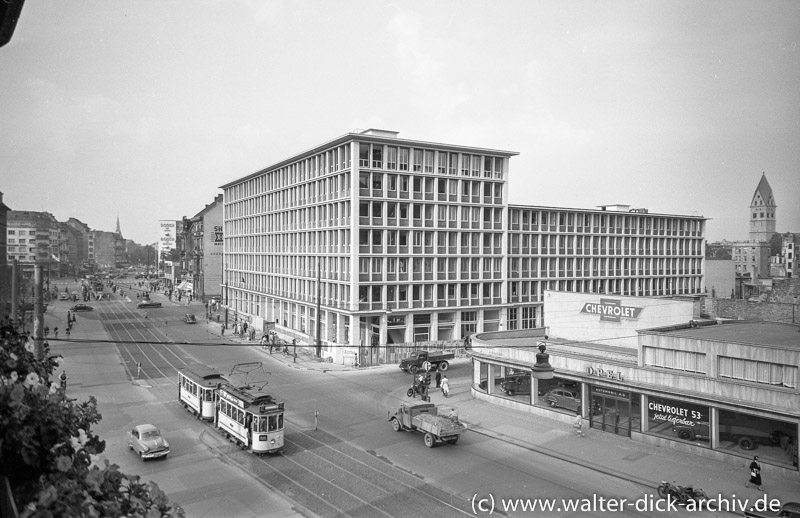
146 440
564 398
190 319
698 432
63 296
148 304
81 307
516 385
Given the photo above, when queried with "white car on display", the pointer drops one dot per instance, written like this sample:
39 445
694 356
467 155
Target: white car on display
147 441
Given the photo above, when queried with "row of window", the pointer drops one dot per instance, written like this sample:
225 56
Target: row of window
533 291
604 222
531 267
602 245
727 367
399 185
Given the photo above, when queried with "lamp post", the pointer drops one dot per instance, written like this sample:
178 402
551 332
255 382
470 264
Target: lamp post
542 370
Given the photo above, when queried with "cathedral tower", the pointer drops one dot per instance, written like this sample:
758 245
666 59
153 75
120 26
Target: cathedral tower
762 212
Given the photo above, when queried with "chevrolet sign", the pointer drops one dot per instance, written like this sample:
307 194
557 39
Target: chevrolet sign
611 310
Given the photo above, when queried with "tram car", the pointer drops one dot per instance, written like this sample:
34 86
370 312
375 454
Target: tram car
251 418
198 388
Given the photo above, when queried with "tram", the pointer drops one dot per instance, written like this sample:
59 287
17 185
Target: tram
251 418
197 389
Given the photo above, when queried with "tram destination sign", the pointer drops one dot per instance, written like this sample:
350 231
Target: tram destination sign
611 310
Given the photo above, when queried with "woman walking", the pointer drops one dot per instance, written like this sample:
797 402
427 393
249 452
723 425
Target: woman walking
445 386
755 474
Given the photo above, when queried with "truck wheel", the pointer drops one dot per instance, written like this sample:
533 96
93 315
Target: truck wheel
686 435
410 392
396 424
747 443
430 442
413 369
443 366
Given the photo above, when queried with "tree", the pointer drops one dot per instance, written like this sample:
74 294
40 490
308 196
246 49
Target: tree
47 446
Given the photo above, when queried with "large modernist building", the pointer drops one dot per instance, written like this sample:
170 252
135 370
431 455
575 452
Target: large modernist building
383 240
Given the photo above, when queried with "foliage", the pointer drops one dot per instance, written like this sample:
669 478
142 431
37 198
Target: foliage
46 446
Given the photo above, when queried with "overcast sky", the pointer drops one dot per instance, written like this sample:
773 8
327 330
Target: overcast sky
144 109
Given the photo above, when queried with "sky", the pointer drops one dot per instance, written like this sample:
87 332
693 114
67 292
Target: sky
143 109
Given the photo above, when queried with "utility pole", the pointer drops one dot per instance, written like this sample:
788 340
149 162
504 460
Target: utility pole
38 312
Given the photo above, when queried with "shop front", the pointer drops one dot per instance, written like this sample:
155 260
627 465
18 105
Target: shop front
617 393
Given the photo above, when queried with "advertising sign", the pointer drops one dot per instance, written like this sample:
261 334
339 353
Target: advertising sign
167 235
676 412
611 310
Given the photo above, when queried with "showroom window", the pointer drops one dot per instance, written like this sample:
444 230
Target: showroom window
747 434
678 420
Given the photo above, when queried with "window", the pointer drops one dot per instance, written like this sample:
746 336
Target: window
758 372
677 360
417 160
391 158
403 159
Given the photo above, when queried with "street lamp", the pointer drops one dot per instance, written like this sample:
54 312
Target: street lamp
542 370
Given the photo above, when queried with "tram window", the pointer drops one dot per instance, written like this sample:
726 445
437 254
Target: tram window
273 423
280 421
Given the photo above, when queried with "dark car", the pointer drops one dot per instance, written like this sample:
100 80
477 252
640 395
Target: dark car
81 307
190 319
514 385
148 304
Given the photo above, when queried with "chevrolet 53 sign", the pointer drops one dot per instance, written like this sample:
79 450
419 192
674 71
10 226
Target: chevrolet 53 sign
611 310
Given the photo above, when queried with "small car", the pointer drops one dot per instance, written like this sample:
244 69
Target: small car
564 398
148 304
63 296
190 319
146 440
81 307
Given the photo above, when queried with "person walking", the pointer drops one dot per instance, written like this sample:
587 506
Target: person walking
438 378
445 385
578 424
55 331
755 474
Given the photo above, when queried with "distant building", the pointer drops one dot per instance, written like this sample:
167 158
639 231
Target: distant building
5 269
81 232
201 255
752 257
36 237
785 264
106 249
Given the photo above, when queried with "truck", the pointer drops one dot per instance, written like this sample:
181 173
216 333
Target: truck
438 359
438 424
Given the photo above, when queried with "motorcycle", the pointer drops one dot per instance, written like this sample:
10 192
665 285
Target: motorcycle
682 494
417 388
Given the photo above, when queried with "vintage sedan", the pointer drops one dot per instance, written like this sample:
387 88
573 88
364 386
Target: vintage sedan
146 440
148 304
516 385
564 398
190 319
81 307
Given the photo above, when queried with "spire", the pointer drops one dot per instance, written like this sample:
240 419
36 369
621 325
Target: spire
118 231
763 195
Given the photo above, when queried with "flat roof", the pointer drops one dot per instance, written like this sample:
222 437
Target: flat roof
776 334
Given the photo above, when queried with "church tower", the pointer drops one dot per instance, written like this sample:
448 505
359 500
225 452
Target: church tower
118 231
762 212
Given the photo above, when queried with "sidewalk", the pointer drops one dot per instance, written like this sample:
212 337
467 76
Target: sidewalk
601 452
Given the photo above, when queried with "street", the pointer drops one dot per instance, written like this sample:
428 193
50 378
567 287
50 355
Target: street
352 464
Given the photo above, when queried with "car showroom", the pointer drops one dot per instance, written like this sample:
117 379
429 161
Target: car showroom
652 370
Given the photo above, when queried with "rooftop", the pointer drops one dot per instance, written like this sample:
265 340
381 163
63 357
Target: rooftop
776 334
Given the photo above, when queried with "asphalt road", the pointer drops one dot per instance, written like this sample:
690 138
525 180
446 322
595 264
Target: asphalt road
353 463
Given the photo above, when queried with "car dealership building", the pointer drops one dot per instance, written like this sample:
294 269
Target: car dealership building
644 368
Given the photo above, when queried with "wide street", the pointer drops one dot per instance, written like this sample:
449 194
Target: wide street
345 461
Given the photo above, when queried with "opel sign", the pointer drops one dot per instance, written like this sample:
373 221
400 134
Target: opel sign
611 310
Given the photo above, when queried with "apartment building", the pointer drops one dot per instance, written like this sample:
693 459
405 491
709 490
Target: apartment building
382 240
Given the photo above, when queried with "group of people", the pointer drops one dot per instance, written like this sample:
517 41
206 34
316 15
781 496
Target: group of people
421 385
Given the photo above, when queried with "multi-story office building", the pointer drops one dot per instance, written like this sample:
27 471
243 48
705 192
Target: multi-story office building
36 237
396 240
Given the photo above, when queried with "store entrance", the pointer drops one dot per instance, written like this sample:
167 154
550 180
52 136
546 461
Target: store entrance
613 411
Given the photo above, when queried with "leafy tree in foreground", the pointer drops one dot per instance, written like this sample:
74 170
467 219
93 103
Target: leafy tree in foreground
46 446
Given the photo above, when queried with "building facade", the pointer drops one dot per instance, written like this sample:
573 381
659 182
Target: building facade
752 256
645 368
201 253
5 268
36 237
382 240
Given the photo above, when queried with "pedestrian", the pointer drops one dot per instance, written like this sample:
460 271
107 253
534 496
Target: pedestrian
63 380
445 386
438 378
68 329
755 474
55 331
68 318
222 331
46 330
578 424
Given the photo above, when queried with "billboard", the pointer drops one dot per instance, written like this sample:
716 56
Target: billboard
167 235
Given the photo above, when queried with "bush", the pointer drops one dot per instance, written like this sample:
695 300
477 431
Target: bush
46 446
